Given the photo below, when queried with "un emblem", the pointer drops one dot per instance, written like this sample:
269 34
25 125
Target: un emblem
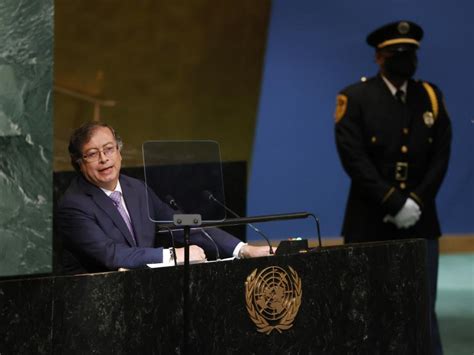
273 297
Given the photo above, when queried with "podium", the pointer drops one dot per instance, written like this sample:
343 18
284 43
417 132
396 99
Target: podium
354 299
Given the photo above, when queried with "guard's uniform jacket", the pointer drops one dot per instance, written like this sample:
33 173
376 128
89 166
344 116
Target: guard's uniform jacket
391 151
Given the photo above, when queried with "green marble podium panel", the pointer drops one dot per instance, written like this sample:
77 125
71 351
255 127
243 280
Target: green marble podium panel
26 42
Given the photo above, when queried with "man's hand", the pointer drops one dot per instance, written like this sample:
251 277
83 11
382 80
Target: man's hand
407 216
250 251
195 254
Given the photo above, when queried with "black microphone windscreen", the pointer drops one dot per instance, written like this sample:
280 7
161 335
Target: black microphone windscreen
171 201
207 195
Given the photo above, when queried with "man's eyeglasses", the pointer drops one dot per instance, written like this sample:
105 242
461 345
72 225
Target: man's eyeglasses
94 155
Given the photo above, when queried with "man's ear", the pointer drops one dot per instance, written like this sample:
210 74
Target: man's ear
379 58
81 166
119 153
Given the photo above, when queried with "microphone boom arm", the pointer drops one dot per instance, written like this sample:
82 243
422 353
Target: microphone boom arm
212 198
256 219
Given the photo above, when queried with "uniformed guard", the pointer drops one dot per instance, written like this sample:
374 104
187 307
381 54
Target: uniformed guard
393 135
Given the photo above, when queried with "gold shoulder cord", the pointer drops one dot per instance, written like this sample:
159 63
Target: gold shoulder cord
434 100
388 194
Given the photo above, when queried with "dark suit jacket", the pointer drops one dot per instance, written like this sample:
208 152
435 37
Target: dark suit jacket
95 237
375 136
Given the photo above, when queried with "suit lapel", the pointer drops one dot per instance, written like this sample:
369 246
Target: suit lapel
395 108
106 204
387 93
132 200
412 99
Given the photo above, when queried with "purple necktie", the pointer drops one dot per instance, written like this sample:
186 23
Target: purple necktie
117 200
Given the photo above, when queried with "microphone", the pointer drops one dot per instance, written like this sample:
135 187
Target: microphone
258 219
170 200
208 195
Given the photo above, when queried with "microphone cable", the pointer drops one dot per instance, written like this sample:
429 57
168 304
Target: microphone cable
173 248
211 197
318 231
218 256
174 205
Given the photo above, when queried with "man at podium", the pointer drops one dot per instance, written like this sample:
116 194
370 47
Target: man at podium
103 219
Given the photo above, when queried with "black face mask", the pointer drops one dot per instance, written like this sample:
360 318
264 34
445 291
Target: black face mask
401 65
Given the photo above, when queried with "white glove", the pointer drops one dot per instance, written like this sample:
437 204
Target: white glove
407 216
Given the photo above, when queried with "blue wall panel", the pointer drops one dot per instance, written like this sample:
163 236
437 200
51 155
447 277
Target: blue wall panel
315 49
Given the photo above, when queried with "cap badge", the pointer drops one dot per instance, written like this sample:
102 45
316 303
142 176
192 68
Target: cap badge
428 118
403 28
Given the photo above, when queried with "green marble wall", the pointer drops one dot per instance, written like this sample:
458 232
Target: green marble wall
26 42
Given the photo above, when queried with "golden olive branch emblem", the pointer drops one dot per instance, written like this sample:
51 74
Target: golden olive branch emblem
273 297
